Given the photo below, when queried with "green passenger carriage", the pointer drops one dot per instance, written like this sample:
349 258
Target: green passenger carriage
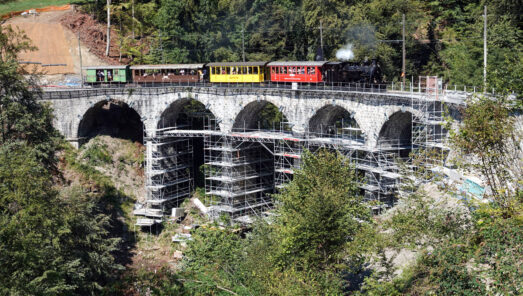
107 74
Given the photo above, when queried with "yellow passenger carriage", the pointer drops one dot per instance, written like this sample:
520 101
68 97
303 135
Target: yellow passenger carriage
240 72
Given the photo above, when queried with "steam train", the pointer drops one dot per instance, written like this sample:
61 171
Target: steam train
238 72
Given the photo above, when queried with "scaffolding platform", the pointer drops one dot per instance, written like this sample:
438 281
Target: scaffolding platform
147 212
143 222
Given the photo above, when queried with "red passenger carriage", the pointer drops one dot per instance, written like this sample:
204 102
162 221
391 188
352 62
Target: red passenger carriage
308 72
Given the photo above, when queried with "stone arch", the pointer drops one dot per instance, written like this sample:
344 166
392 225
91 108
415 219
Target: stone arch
190 114
113 118
187 113
335 119
397 130
259 114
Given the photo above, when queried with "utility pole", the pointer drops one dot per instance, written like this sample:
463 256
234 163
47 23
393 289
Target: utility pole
108 27
321 39
243 44
403 74
161 47
81 65
132 9
485 50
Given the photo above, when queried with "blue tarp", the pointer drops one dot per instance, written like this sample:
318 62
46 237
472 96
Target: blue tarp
470 187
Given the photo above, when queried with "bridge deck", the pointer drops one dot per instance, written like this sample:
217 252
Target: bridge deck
453 97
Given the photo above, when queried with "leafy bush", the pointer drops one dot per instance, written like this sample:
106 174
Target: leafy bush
500 246
445 271
97 154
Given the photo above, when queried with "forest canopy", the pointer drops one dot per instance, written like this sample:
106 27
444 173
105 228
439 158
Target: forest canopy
443 38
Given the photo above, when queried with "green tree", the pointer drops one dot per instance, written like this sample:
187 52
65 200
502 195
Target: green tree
214 261
487 135
48 245
318 212
22 118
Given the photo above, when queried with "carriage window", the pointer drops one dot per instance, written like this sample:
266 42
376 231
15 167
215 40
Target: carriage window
273 70
228 70
255 70
244 70
313 70
212 70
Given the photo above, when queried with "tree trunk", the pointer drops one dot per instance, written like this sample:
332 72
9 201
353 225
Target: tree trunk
108 27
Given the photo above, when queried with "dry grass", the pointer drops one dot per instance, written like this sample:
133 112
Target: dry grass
19 5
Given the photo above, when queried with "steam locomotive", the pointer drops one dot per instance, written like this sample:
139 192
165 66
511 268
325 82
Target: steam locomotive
313 72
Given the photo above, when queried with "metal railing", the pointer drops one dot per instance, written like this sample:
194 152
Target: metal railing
155 88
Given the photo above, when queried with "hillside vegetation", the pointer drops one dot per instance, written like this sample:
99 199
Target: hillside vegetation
66 226
443 38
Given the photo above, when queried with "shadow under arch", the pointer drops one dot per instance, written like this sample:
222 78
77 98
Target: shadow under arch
332 120
188 114
396 132
112 118
262 115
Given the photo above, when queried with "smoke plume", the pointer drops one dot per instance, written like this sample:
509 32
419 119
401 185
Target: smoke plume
362 37
345 53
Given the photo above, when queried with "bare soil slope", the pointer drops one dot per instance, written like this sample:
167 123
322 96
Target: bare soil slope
52 33
51 40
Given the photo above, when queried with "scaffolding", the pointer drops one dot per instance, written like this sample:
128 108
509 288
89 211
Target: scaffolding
244 168
288 151
239 175
428 128
168 173
377 167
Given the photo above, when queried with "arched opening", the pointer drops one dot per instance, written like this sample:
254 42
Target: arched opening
396 133
335 121
260 115
190 114
112 118
248 176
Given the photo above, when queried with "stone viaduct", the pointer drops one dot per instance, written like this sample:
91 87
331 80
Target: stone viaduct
241 176
378 115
